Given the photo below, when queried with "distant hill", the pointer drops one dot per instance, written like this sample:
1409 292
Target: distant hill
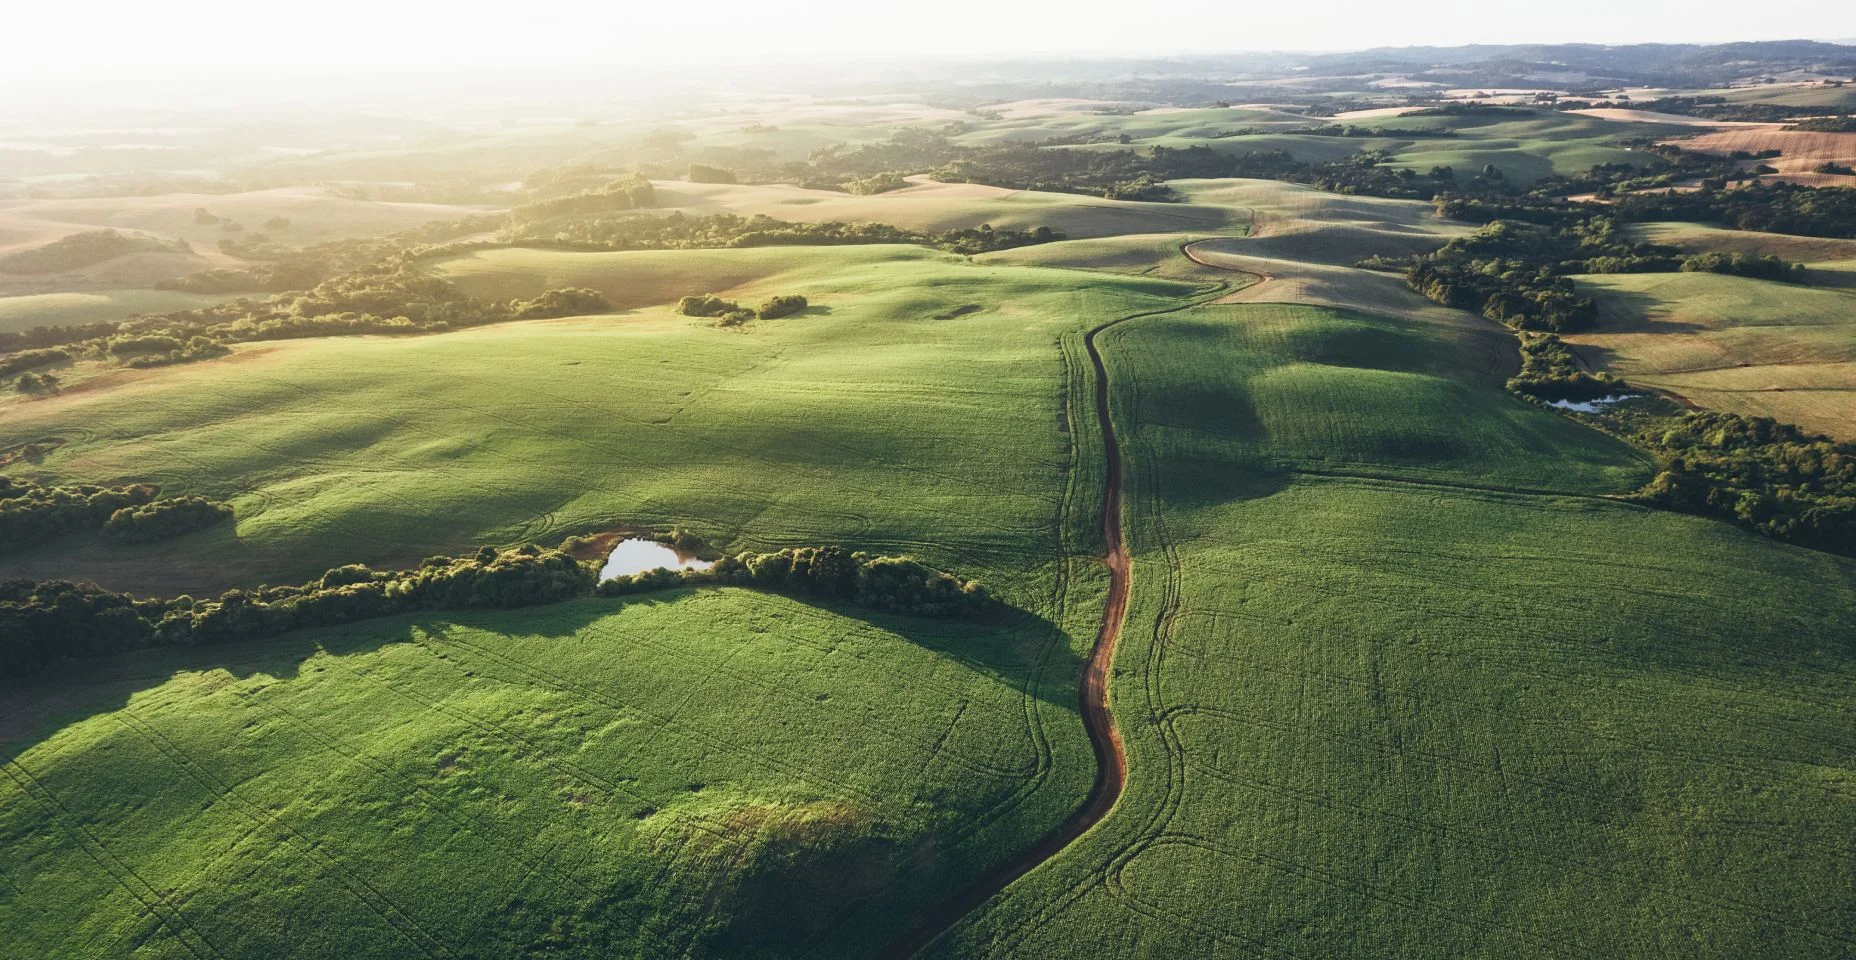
1655 64
80 250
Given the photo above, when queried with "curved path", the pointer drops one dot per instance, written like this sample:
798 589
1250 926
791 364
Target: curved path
1111 762
1092 692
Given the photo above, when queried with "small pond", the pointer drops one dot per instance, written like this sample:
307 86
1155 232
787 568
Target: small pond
1591 406
638 555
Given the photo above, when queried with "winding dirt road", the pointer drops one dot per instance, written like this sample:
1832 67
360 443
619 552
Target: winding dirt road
1111 762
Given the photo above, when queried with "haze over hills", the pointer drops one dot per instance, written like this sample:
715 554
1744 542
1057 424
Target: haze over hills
1395 502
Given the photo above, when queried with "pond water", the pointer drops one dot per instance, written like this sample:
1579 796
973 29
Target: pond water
637 555
1590 406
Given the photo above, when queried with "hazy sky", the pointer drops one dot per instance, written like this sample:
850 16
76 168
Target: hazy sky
117 50
62 35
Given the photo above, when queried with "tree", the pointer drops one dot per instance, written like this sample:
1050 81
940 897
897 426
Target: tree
704 173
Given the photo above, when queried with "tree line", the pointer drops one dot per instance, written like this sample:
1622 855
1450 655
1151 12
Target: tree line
388 297
1549 372
164 519
33 513
1769 476
45 622
80 250
890 584
1768 207
392 295
284 270
1842 124
1517 273
679 231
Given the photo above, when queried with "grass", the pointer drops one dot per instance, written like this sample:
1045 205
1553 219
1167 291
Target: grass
1400 675
68 309
1303 147
663 777
1294 222
1745 346
1696 237
1146 126
495 784
1152 254
316 214
1521 160
864 421
1526 147
945 206
1277 388
1800 151
1389 709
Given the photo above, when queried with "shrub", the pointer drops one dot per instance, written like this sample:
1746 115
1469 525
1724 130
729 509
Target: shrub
784 306
566 302
876 183
706 305
28 359
44 622
164 519
36 384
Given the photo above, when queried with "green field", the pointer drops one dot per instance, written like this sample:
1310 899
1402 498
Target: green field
1527 148
1390 710
65 309
665 777
1403 671
945 206
1697 237
865 421
1754 347
561 770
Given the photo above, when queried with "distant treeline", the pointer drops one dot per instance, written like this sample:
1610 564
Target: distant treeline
32 513
392 295
1138 175
1712 106
632 192
1117 174
305 268
388 296
1770 207
1517 273
42 623
676 231
1843 124
80 250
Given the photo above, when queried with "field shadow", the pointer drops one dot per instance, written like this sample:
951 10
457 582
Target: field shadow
1629 311
1011 646
1830 279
